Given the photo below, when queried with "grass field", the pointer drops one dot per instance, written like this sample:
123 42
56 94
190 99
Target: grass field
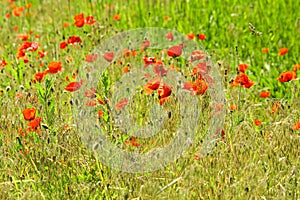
252 44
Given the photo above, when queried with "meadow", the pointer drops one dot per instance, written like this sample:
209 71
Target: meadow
46 63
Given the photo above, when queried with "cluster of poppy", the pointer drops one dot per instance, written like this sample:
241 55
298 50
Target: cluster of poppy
17 11
242 78
34 122
80 21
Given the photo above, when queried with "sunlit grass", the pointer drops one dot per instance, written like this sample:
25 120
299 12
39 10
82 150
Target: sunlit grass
250 162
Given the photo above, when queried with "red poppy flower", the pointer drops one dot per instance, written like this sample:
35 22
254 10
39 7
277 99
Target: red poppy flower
74 40
287 76
54 67
265 94
175 51
17 11
243 80
296 66
39 76
23 37
146 44
283 51
121 103
163 91
91 57
63 45
257 122
42 54
169 36
159 69
201 36
100 114
201 69
109 56
89 20
296 126
3 63
73 86
242 68
265 50
198 87
29 114
117 17
79 20
196 55
91 103
152 85
190 36
34 124
90 93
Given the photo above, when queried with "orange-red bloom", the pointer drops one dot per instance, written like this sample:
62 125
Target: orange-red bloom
73 86
296 67
74 40
89 20
257 122
198 87
39 76
175 51
152 85
265 94
265 50
169 36
287 76
242 68
91 57
54 67
109 56
201 36
283 51
34 124
117 17
121 103
296 126
243 80
164 91
29 113
190 36
79 20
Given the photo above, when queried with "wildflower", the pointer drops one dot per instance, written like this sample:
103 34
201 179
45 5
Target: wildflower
159 69
296 126
17 11
91 103
164 91
91 57
275 107
29 114
175 51
100 114
74 40
232 107
3 63
287 76
121 103
243 80
73 86
79 20
34 124
265 50
190 36
198 87
39 76
201 36
109 56
90 93
196 55
146 44
152 85
169 36
257 122
89 20
283 51
296 67
167 18
63 45
116 17
265 94
242 68
54 67
23 37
